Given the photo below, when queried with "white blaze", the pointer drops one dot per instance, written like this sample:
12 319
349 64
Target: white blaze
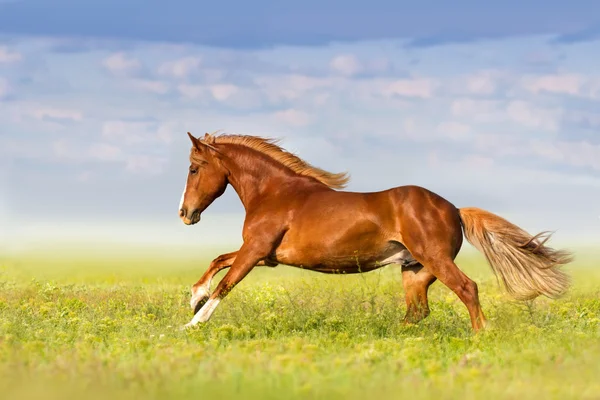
183 195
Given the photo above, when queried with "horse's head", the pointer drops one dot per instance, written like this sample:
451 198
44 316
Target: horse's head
206 181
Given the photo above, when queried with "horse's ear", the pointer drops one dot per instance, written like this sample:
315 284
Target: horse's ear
195 141
200 145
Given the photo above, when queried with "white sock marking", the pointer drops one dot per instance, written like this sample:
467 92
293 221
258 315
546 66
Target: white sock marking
205 312
201 293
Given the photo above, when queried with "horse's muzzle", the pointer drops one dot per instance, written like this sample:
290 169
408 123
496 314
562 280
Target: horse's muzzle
189 218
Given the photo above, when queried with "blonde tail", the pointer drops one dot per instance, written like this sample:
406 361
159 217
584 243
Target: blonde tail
527 267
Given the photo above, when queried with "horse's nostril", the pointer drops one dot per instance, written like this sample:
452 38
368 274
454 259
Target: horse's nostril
182 213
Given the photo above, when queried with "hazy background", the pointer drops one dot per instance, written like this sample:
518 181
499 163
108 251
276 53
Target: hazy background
490 105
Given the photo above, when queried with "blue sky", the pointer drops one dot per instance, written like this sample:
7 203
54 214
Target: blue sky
493 105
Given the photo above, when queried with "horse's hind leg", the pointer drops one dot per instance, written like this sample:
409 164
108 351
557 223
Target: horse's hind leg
444 269
416 281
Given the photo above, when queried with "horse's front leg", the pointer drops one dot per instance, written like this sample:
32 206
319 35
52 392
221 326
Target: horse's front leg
245 259
201 289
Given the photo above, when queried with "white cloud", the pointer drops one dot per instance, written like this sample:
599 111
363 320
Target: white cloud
533 117
223 92
556 83
62 150
346 65
120 64
127 132
66 150
577 154
145 164
167 130
192 91
500 144
293 117
104 152
152 86
420 87
378 65
291 87
453 130
483 83
477 111
433 159
84 176
409 126
477 162
56 113
180 68
7 56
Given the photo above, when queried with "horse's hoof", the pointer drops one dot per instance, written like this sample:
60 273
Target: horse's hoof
186 326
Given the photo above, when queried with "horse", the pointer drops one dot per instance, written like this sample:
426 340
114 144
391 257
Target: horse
297 215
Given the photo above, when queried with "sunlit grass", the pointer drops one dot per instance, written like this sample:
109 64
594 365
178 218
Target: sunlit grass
108 324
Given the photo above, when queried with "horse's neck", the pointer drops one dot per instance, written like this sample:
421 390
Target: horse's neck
252 177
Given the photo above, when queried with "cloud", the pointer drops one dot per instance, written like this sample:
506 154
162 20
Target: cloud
7 56
346 65
120 64
475 109
350 65
478 111
128 132
532 116
223 92
192 91
477 161
291 87
454 130
557 83
145 164
152 86
577 154
84 176
293 117
104 152
65 151
53 113
181 68
420 87
482 83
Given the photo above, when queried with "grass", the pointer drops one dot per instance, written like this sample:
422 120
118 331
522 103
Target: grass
104 326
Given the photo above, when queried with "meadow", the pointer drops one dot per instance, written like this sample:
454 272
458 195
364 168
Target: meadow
107 324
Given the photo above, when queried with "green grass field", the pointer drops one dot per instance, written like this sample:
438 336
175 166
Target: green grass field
101 326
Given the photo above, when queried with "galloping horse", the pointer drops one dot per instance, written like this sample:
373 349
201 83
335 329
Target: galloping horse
295 217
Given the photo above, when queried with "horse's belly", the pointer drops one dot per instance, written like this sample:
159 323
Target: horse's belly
362 246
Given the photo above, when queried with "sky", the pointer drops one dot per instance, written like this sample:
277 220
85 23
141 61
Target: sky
490 104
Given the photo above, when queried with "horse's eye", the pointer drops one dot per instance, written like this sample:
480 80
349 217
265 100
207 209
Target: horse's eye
193 171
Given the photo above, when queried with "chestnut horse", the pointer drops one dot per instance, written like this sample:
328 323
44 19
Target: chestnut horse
295 217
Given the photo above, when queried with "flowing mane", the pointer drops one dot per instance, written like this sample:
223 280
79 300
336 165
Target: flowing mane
270 148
